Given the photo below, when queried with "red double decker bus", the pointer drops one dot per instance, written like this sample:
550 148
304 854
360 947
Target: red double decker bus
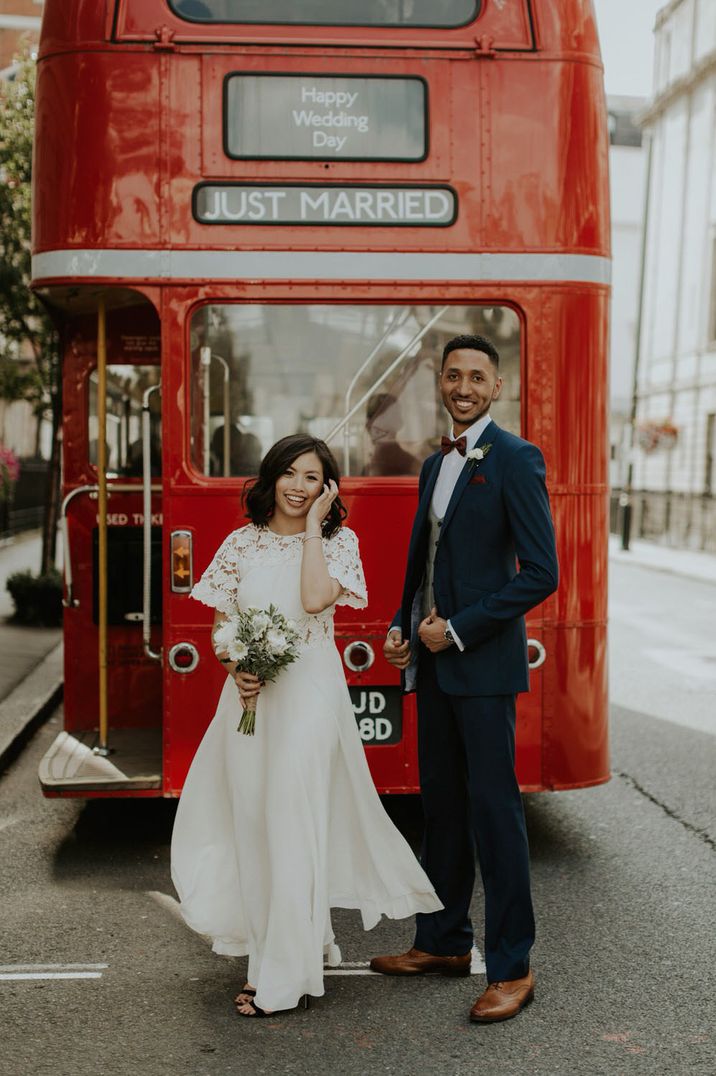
253 219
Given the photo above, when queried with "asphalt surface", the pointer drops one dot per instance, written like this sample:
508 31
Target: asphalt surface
624 878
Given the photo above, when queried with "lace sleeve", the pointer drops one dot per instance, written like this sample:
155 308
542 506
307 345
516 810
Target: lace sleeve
344 565
219 585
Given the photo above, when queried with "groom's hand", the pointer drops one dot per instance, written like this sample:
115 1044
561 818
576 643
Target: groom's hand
432 632
395 651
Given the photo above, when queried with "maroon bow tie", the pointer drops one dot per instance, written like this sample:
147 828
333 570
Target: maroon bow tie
446 445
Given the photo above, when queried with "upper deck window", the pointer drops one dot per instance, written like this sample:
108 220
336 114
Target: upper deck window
330 12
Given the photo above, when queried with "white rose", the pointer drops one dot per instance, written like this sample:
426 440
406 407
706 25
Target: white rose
277 642
475 454
224 635
259 624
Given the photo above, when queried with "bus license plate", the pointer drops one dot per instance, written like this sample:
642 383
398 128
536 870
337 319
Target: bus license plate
379 714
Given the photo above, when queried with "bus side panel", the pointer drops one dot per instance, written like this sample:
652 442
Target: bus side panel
569 368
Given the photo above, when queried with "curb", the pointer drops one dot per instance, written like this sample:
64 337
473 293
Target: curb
29 705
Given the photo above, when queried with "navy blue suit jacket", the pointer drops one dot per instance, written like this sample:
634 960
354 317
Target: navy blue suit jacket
498 514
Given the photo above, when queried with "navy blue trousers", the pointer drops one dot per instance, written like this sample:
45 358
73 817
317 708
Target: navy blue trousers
472 806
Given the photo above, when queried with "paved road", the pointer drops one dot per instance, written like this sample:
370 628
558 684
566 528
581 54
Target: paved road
662 642
624 877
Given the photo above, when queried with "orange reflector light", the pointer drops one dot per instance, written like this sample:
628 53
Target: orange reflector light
182 573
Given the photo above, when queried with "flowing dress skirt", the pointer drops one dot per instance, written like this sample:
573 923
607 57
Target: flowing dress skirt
274 830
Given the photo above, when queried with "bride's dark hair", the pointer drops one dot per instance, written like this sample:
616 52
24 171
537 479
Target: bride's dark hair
259 496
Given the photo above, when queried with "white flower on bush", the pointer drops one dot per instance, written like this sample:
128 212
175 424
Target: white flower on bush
276 641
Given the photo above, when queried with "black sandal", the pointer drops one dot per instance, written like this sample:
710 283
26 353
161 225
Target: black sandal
255 1011
261 1013
247 992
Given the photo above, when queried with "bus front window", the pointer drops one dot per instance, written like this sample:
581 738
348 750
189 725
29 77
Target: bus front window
274 370
330 12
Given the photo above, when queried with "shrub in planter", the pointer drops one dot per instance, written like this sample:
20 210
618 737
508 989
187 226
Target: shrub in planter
37 598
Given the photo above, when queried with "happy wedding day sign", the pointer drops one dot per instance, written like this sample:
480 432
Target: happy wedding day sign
304 117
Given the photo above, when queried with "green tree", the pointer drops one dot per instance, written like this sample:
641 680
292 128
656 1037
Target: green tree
23 321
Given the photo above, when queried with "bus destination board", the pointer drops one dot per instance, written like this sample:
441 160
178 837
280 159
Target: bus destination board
310 117
253 203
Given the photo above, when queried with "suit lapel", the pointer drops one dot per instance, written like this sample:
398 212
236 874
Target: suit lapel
487 435
424 504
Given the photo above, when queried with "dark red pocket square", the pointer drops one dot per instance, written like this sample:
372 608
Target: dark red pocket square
478 480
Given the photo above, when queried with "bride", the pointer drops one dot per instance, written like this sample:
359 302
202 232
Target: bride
274 830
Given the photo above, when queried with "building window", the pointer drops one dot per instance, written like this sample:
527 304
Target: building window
712 295
623 131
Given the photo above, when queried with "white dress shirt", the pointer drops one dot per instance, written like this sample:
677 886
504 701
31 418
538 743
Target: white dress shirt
450 468
453 463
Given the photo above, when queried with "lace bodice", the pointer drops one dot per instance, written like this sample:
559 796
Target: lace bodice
231 579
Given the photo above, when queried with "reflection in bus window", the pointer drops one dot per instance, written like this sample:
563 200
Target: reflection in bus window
126 386
323 370
330 12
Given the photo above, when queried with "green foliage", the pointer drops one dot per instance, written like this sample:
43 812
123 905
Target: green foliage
22 319
37 598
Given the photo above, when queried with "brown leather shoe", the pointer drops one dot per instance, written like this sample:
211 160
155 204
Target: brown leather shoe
501 1001
415 962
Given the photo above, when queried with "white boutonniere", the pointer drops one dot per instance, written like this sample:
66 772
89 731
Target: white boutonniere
475 455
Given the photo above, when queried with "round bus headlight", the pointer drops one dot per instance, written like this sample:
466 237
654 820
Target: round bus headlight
359 656
183 657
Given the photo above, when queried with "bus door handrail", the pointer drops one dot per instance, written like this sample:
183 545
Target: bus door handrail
340 426
205 357
396 320
147 528
69 601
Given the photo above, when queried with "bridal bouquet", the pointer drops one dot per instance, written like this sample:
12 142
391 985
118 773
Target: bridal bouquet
261 642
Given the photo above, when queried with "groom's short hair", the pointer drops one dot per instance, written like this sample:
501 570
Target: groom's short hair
474 342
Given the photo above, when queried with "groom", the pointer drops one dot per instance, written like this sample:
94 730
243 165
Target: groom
482 507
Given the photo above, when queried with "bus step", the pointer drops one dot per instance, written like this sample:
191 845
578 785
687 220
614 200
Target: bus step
135 762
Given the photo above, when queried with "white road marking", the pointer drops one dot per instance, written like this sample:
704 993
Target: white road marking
14 976
16 972
478 966
362 967
349 971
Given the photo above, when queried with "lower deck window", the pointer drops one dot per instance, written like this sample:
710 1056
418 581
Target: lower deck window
261 372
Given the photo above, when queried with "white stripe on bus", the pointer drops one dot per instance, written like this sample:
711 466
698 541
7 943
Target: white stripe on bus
260 265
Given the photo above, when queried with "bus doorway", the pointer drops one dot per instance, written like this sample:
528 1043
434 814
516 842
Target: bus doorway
112 470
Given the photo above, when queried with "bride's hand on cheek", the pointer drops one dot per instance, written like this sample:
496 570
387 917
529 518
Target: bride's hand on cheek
321 506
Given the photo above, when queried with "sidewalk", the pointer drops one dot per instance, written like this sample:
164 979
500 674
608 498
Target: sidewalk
21 648
685 562
30 658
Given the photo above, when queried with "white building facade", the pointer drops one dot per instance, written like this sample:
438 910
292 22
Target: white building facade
627 182
675 455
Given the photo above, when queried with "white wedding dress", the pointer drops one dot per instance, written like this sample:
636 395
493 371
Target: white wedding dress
274 830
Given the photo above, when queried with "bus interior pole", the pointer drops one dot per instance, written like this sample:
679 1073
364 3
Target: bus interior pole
205 360
147 490
102 747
